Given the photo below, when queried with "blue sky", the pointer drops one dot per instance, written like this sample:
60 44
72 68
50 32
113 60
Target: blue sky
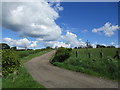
86 16
80 19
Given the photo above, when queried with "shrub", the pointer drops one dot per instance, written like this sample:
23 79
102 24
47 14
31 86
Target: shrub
61 54
69 49
4 46
9 61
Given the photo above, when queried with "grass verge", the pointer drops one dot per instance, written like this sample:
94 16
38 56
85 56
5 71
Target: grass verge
107 67
29 57
21 78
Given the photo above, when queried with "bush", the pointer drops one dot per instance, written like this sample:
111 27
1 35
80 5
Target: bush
61 54
9 61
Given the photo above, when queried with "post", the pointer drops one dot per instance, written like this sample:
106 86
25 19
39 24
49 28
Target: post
76 52
101 54
87 43
117 55
89 55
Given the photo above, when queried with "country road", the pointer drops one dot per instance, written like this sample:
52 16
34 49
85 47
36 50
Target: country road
54 77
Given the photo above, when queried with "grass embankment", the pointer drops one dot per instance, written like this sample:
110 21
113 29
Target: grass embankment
105 67
21 78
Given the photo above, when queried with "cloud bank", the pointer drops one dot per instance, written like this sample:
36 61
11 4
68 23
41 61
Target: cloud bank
36 20
21 43
71 39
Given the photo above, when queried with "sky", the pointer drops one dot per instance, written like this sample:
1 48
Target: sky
67 24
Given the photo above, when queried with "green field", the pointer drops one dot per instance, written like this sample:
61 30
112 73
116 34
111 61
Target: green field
107 67
21 78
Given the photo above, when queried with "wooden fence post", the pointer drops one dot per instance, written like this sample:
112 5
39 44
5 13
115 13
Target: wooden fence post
101 54
117 55
76 53
89 54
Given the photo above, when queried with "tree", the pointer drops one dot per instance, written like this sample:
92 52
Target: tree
89 46
14 48
100 46
79 47
48 47
75 48
4 46
110 46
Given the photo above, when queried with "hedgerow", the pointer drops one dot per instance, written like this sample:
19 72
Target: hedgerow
10 62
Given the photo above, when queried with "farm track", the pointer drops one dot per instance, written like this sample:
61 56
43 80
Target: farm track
55 77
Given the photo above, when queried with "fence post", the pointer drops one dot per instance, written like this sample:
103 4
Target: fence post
101 54
117 55
89 54
76 52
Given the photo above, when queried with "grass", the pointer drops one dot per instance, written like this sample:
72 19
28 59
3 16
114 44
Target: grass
107 67
0 83
0 56
27 58
21 78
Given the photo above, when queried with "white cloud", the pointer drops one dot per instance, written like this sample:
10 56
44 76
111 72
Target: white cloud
21 43
80 39
112 43
54 44
32 19
94 45
33 44
61 44
108 29
104 44
71 39
58 7
117 46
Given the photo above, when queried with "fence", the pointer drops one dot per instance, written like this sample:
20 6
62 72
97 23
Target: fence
100 53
